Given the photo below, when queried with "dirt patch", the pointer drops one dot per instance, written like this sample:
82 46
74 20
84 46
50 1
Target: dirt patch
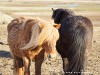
50 67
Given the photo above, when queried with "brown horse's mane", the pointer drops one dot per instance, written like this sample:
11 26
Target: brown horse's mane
37 36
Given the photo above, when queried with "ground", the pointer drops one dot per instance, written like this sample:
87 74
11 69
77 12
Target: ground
42 9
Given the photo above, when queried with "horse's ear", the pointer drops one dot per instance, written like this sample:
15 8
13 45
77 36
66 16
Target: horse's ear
57 26
41 24
52 9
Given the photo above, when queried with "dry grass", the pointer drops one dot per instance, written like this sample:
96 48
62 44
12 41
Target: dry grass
53 68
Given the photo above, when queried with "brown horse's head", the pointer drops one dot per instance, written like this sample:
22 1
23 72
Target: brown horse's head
50 46
48 38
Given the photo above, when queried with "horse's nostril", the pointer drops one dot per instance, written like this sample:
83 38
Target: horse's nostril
49 56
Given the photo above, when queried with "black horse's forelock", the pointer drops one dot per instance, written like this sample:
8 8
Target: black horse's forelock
59 13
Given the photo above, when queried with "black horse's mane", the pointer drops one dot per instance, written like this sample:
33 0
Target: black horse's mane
59 14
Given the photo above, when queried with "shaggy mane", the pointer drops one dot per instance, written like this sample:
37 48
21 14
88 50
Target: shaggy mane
59 14
37 37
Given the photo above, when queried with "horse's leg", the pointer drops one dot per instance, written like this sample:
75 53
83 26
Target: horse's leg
38 64
15 66
26 62
65 63
18 65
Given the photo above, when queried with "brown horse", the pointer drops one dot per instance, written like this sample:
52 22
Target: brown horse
75 40
31 39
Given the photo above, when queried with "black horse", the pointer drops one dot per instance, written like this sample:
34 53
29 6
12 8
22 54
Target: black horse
76 34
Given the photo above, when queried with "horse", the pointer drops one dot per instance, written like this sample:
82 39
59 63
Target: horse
76 33
31 39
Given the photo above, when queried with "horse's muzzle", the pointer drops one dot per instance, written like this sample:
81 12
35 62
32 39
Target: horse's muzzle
51 57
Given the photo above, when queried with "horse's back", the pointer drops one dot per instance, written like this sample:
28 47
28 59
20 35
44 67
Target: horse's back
70 27
19 33
76 21
74 24
14 31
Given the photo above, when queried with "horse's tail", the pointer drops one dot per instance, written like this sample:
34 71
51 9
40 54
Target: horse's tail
76 54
